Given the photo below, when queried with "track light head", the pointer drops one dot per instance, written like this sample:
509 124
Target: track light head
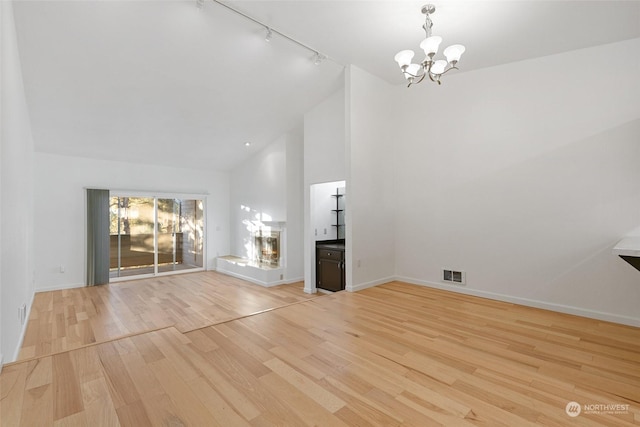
318 58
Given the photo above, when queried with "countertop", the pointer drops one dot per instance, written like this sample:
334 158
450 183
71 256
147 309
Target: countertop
629 246
333 246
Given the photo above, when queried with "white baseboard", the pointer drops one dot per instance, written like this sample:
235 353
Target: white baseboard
252 279
294 280
577 311
60 287
361 286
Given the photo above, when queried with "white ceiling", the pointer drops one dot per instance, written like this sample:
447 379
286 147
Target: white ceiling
163 82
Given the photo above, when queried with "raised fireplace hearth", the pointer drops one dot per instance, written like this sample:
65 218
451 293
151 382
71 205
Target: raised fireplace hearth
263 260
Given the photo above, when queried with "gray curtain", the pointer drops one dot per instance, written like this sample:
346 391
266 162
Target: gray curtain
97 237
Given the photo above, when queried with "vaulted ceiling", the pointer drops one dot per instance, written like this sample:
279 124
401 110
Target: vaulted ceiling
166 82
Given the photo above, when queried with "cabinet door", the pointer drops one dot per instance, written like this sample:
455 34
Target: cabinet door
330 275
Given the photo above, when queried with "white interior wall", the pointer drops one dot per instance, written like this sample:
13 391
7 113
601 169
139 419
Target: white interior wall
268 187
295 205
324 161
370 206
60 217
2 61
524 176
258 193
16 190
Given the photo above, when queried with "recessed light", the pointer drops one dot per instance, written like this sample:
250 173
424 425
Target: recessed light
247 144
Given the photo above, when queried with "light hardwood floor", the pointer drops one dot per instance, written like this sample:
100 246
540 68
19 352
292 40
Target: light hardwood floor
69 319
394 355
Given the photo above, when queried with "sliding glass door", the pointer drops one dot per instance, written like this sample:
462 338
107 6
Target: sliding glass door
151 235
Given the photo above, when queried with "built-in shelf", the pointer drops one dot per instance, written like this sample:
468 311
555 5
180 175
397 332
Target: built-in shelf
337 211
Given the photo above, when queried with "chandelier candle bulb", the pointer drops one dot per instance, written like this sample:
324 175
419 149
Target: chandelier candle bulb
438 67
430 45
403 58
415 73
412 71
453 53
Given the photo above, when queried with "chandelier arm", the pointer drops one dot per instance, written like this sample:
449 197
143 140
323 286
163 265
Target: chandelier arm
453 67
419 81
414 76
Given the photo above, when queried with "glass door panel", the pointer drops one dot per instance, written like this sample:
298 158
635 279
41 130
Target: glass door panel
180 232
155 235
192 223
169 235
132 236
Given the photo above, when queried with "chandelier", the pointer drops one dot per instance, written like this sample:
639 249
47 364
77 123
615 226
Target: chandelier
415 73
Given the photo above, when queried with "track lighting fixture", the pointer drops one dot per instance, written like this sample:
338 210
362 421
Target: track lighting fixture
317 57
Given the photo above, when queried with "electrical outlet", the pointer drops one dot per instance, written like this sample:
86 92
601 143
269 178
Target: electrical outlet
325 231
281 276
62 269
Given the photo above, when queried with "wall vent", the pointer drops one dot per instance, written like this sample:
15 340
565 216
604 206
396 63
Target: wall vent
453 276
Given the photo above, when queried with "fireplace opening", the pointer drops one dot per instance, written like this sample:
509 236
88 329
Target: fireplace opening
267 247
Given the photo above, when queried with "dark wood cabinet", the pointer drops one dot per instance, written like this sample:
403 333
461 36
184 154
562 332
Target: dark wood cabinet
330 266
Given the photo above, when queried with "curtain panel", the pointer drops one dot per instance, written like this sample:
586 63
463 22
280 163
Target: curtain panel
97 237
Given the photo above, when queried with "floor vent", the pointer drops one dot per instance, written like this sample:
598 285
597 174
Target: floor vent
452 276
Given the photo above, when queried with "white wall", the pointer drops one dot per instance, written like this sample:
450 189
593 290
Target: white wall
525 176
60 211
16 151
295 205
370 143
322 203
268 187
258 193
324 140
325 160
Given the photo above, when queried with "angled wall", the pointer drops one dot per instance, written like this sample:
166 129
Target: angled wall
525 176
370 205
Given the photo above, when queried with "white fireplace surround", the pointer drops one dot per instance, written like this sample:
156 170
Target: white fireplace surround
266 247
260 265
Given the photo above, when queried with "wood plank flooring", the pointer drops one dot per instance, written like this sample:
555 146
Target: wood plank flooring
68 319
394 355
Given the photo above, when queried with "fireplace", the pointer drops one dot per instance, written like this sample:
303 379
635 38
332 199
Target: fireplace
267 247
